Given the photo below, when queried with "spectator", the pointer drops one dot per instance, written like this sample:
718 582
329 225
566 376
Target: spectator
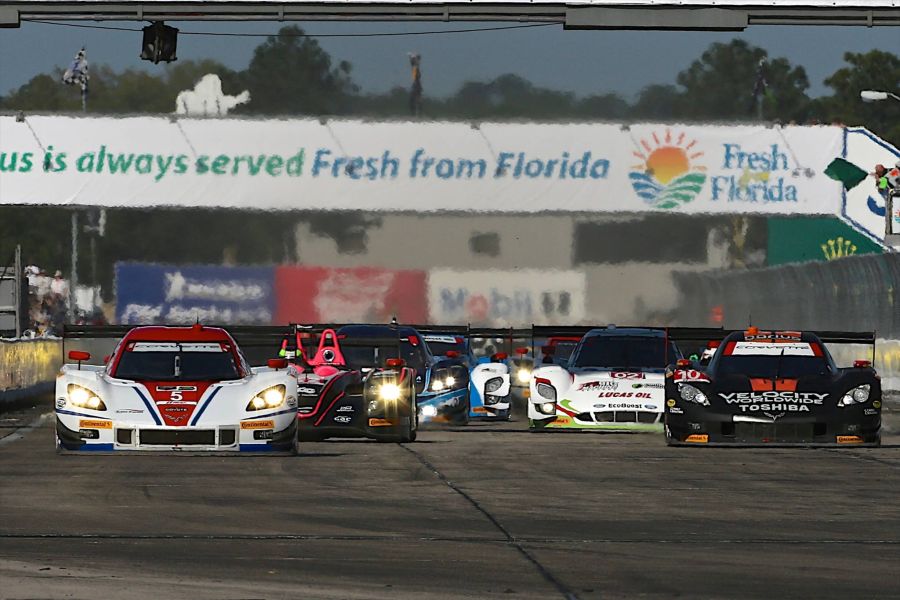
59 286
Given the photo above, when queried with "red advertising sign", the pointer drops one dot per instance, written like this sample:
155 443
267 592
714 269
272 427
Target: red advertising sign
360 295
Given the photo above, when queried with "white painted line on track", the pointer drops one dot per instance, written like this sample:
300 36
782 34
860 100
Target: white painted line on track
19 433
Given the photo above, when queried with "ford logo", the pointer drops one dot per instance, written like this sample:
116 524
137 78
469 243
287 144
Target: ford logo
651 407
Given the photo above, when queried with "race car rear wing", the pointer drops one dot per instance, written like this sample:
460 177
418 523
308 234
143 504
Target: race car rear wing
846 337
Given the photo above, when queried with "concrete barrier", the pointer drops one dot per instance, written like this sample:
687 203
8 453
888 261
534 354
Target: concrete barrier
887 359
28 367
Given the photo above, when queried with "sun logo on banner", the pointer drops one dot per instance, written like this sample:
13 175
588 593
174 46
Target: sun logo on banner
667 176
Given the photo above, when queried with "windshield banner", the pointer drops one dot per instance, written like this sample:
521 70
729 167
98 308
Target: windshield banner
304 164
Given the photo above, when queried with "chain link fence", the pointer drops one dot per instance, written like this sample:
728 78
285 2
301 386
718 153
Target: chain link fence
856 293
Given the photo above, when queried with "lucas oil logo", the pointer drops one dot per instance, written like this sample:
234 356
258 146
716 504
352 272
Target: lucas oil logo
667 176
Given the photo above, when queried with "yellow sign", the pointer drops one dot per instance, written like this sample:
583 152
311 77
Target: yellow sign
91 424
697 438
849 439
258 424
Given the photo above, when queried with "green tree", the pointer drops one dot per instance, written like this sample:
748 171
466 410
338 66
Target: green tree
44 92
507 96
720 85
291 74
658 102
874 70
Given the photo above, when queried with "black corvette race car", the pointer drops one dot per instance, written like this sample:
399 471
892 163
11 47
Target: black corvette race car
774 387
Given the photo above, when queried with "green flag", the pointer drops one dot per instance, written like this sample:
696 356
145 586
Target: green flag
846 172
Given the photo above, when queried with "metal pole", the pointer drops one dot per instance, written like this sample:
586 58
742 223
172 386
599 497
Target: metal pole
21 299
73 279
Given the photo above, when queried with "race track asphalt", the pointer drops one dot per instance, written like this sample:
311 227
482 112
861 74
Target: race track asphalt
486 511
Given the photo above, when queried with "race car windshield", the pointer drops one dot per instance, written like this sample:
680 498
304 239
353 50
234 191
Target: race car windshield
563 350
772 367
626 352
175 365
371 357
442 348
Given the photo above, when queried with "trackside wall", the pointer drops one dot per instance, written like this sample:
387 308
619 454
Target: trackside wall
28 368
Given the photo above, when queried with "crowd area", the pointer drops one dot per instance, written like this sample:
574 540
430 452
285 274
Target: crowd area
48 302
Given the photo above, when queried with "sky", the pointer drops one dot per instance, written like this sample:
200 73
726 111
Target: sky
585 62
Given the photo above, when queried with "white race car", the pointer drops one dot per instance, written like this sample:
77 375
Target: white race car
176 388
614 380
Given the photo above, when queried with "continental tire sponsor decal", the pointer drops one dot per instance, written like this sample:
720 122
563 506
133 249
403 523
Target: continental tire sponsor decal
479 409
697 438
269 424
849 439
94 424
774 401
380 423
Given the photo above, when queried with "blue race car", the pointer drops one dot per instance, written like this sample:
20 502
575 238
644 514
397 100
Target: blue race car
489 381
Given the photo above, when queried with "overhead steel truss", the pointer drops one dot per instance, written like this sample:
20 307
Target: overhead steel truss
731 15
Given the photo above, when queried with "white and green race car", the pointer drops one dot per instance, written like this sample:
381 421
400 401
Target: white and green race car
614 380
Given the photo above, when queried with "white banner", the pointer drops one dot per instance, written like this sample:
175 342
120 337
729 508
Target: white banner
863 206
525 296
417 166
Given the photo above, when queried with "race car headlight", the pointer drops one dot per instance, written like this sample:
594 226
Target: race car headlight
692 394
450 381
523 375
84 398
546 391
857 395
493 384
437 385
389 391
547 408
272 397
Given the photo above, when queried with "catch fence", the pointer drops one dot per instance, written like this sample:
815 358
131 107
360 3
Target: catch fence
856 293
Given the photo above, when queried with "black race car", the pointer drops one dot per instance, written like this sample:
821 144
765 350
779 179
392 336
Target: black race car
358 381
373 381
774 387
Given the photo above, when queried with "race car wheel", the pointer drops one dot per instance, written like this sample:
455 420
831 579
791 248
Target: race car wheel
410 431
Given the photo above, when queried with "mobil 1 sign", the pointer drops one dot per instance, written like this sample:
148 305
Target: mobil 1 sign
528 296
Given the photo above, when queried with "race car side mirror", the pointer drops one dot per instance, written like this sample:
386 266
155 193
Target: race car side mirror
394 363
278 363
452 354
862 364
522 350
499 356
683 362
78 356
